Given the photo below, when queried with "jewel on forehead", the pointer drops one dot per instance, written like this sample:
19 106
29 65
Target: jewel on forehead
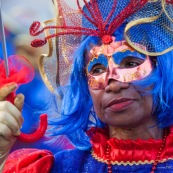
107 39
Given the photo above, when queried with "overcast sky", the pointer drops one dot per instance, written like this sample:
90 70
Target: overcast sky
18 15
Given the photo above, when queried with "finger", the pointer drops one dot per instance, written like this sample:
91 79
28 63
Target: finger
5 132
6 144
6 90
19 101
6 106
7 119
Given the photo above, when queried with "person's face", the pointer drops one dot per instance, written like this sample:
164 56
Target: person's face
116 102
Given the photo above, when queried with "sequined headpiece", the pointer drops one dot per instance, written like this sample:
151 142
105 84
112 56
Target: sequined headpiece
147 22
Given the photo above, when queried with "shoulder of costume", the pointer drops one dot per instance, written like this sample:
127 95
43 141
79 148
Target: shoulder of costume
72 153
71 159
32 160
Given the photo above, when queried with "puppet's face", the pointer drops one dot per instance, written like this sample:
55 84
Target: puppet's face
115 61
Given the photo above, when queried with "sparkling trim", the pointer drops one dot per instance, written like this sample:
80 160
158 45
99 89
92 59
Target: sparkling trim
127 163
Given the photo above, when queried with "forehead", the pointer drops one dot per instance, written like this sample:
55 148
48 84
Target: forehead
107 50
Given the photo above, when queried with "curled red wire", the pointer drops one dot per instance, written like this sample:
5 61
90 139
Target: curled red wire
38 134
169 1
102 28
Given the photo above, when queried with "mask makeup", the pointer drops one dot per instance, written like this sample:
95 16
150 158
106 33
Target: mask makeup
115 61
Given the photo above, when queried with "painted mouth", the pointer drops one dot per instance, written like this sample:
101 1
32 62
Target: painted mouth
120 104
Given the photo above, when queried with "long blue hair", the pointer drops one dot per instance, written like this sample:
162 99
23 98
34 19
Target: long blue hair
77 114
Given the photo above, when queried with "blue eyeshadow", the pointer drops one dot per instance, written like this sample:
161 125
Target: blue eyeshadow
118 57
101 59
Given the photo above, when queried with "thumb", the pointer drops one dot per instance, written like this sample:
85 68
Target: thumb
6 90
19 101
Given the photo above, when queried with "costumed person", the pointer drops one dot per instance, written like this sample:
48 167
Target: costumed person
111 64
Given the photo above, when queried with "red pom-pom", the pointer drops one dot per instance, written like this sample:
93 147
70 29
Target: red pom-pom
21 71
107 39
38 42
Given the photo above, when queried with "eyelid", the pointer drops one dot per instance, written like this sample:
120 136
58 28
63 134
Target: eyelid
101 59
98 66
126 61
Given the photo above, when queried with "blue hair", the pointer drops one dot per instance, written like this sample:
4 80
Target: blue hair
77 104
77 114
162 91
160 82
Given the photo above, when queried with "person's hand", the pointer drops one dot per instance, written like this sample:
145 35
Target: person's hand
10 119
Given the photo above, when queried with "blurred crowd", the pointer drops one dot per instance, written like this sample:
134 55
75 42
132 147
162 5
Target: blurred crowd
18 15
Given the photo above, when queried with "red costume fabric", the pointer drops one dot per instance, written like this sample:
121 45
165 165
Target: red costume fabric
138 154
29 161
129 152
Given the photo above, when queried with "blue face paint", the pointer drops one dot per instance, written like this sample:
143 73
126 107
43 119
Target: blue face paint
120 56
101 59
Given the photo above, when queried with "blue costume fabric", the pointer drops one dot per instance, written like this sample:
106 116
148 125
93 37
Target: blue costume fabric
76 161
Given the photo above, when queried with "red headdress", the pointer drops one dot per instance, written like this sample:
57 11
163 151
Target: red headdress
145 20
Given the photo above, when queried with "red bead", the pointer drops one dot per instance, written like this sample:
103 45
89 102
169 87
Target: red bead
154 168
154 164
107 39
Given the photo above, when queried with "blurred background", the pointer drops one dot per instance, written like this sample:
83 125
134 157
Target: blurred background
18 15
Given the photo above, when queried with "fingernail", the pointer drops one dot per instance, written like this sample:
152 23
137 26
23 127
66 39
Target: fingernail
17 133
18 99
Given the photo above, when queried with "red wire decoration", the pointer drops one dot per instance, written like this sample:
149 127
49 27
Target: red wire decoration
21 72
169 1
104 28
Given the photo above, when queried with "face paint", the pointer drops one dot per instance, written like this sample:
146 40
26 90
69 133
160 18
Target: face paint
115 61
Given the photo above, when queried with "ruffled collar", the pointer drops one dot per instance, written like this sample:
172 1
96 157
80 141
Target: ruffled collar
129 152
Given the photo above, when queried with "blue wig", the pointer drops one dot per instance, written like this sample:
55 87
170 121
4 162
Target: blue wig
77 114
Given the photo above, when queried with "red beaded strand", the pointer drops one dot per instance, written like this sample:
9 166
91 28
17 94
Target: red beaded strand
108 149
156 161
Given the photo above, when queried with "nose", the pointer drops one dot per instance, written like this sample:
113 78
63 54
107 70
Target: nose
116 86
112 74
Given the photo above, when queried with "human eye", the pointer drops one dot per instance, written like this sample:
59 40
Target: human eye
97 69
131 62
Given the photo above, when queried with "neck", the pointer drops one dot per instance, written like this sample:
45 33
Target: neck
139 132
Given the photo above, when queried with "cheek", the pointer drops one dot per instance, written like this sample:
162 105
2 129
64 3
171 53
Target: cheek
96 96
148 104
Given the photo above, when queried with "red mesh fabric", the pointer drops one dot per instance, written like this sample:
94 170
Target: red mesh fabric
101 18
29 161
20 71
